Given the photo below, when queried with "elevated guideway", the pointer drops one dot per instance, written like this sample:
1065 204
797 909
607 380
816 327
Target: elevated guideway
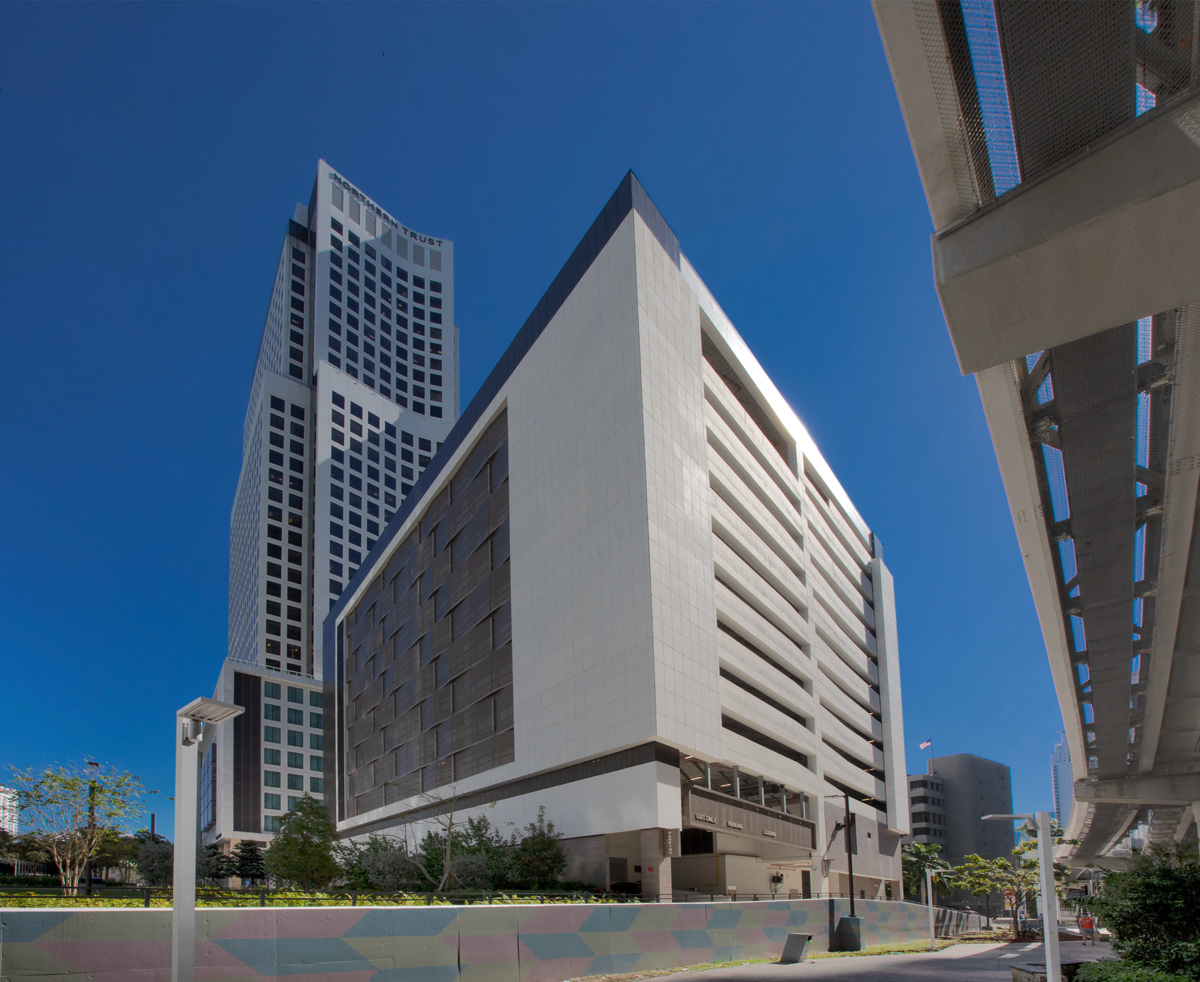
1059 149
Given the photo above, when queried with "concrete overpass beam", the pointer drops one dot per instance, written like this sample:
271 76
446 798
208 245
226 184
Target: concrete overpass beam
1064 256
1170 789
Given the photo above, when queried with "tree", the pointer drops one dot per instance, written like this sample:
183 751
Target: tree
23 847
1153 909
355 858
212 864
303 848
1014 879
915 860
388 866
248 862
538 859
117 850
68 811
156 861
487 856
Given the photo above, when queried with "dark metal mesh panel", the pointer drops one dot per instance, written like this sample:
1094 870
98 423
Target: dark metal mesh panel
1022 87
941 57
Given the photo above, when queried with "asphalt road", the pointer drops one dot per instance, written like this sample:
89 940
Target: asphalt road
960 963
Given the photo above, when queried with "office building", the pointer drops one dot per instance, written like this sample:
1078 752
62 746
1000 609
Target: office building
948 804
629 588
1062 789
354 387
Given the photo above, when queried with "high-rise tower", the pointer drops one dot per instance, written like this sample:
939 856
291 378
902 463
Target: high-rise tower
355 386
1061 785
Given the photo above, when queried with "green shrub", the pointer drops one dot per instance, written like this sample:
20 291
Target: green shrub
8 880
1111 970
1153 910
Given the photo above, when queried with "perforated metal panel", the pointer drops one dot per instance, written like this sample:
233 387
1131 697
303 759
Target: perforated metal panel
1022 87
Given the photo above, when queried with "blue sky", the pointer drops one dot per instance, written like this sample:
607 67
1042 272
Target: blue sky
151 156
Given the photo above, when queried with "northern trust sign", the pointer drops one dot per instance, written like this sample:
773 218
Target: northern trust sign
708 810
370 206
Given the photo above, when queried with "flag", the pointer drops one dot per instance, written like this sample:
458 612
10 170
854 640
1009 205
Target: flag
927 744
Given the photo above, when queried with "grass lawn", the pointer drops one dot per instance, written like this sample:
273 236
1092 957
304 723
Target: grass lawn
904 948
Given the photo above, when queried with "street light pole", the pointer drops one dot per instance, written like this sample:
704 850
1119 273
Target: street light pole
848 935
849 850
87 869
1049 899
188 723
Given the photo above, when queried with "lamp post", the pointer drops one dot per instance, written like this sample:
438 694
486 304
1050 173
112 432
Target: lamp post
848 934
188 724
87 869
929 903
1049 899
847 825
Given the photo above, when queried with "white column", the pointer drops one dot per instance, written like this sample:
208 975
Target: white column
183 905
1049 897
929 901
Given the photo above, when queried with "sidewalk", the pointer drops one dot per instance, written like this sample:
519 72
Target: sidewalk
961 963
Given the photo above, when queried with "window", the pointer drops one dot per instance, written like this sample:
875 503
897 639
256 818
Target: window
295 782
316 720
271 734
316 785
270 711
271 778
293 801
316 763
296 739
316 741
295 760
339 400
295 717
271 690
271 823
295 694
316 699
271 801
271 757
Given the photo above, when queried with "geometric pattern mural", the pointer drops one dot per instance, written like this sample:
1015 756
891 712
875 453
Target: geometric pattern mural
478 943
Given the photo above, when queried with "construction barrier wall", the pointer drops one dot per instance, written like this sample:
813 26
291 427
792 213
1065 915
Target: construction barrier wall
481 943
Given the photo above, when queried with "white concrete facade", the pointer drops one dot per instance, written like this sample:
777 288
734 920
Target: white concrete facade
9 811
355 385
687 575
